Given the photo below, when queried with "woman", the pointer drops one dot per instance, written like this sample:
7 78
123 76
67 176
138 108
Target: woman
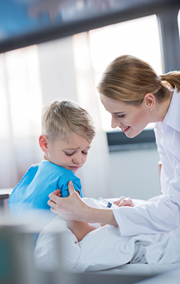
135 95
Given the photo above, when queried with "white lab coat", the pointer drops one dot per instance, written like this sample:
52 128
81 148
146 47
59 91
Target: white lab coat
160 214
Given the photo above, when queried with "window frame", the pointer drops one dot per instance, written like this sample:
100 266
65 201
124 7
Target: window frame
118 141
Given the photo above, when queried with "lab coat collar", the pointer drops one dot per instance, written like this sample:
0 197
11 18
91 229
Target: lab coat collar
172 117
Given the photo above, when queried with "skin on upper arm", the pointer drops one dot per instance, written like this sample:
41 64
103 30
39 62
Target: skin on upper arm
74 208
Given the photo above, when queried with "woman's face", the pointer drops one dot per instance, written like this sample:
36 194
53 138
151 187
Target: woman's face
129 118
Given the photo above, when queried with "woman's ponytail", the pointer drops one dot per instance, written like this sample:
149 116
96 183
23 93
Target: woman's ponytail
128 79
173 78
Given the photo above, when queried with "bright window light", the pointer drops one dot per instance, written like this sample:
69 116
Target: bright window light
21 101
136 37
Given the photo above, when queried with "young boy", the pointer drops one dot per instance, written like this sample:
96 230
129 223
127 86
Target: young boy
67 133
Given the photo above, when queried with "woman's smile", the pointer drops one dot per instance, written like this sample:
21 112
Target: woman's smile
125 129
129 118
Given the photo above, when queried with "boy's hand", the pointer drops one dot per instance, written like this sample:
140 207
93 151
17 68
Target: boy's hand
122 201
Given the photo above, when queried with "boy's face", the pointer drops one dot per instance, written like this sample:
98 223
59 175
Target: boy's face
70 153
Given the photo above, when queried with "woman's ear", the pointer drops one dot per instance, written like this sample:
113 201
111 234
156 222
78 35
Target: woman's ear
43 143
149 101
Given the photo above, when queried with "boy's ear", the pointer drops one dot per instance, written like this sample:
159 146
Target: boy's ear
43 143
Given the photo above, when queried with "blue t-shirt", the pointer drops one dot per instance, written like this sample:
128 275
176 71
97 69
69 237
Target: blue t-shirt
32 192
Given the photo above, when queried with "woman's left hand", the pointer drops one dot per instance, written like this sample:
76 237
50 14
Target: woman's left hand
71 207
122 201
74 208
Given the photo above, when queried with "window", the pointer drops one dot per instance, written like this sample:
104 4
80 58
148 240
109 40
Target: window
137 37
20 112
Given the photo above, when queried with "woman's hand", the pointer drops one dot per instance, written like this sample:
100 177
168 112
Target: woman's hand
74 208
71 207
122 201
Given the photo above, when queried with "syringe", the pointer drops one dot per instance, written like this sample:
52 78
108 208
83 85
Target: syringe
105 203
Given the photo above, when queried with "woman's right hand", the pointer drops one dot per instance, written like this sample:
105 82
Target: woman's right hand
122 201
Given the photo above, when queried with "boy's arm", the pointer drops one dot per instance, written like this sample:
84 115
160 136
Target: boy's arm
80 229
74 208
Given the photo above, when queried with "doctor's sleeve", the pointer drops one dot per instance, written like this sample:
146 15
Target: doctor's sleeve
159 216
167 172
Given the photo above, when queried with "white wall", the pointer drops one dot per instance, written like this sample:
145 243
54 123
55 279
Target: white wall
135 173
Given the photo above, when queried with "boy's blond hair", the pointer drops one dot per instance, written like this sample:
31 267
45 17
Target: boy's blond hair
61 118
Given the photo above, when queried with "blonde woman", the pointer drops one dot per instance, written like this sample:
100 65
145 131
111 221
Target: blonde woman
135 95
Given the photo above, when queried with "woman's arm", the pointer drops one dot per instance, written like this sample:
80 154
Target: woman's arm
74 208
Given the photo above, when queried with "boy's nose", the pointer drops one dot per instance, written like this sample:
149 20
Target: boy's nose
77 160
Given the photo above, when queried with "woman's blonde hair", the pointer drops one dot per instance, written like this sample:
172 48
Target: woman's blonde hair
61 118
129 79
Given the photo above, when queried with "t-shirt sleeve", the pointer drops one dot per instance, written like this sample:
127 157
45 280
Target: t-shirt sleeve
63 184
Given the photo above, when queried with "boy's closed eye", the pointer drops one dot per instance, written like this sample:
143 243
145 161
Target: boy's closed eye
71 154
